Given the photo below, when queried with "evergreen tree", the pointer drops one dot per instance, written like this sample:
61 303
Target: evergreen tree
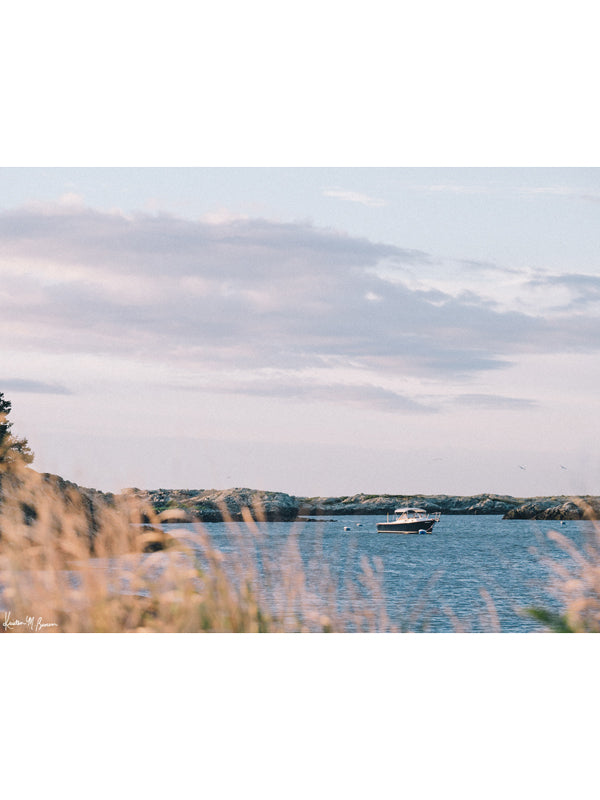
12 448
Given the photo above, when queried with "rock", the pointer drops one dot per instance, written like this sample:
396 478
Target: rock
212 505
559 508
209 505
57 504
386 504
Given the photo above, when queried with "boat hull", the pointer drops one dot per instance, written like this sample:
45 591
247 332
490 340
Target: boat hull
406 527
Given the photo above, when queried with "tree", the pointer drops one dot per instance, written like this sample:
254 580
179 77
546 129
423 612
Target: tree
12 448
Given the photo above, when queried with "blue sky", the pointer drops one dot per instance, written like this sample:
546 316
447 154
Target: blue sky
316 331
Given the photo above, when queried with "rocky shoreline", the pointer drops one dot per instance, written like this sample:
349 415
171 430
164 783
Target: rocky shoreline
211 505
216 505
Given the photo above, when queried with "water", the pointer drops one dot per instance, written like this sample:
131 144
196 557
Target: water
473 573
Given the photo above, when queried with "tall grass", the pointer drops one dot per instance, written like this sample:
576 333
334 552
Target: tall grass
71 564
575 582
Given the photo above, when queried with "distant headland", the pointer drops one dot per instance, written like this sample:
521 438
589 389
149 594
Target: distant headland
211 505
237 504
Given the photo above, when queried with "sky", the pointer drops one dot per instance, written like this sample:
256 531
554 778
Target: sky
318 331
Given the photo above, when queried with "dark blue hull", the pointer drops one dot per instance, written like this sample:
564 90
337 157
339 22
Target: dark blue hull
413 526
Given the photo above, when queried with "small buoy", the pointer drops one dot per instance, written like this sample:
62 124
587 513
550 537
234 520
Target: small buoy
359 524
346 528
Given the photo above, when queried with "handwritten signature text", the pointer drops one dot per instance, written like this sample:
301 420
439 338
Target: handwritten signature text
29 623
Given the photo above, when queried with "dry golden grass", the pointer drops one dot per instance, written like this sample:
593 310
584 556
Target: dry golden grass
69 566
69 563
576 582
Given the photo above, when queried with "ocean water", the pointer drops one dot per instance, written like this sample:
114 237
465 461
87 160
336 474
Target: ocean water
473 573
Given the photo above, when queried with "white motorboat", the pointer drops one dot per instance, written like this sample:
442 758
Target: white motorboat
410 520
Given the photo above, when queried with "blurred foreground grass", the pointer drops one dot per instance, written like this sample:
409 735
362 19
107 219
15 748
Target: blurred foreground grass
72 563
575 583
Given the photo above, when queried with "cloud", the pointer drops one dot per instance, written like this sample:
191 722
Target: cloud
71 200
31 387
364 395
578 290
479 267
252 294
164 245
495 402
354 197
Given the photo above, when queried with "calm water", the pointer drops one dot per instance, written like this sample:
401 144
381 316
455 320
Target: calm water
457 578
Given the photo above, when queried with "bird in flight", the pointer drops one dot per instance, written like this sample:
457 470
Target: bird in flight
562 466
522 466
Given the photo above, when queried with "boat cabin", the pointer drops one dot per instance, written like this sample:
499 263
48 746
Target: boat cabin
405 513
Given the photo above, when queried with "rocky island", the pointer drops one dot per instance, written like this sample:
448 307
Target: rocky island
212 505
216 505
